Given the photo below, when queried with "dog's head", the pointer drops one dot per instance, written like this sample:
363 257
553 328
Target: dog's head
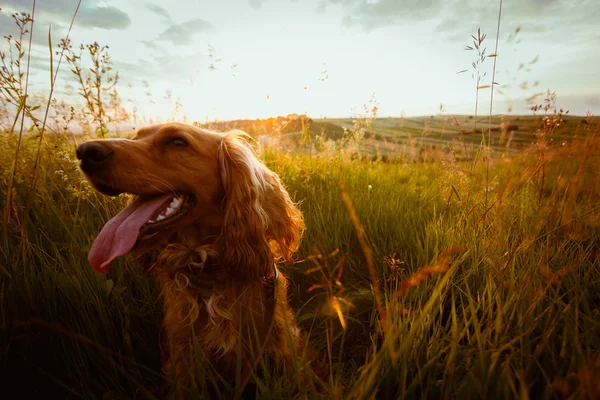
189 181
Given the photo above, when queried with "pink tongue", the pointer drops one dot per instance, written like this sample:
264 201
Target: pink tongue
120 233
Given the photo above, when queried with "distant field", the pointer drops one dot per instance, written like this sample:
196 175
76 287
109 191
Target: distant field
401 136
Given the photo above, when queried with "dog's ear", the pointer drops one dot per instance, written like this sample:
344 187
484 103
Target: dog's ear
261 224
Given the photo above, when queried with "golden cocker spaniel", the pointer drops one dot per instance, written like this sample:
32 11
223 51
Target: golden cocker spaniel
209 221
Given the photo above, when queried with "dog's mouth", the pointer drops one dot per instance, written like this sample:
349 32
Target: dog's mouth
166 216
141 220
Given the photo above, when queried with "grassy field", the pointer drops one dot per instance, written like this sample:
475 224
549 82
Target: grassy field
490 286
444 257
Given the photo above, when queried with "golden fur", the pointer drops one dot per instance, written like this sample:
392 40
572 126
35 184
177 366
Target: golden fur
212 264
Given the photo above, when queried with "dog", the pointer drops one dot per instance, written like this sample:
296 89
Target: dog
209 221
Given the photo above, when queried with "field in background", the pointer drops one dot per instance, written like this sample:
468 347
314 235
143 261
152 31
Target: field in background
410 138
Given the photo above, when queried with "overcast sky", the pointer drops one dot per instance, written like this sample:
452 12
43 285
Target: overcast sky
328 57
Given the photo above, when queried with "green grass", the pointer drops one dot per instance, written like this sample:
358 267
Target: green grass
516 312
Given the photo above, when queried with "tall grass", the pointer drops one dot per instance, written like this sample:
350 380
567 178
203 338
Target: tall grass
515 312
437 279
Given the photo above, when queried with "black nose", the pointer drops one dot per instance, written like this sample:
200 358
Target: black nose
92 155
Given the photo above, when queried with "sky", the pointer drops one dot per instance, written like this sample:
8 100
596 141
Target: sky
229 59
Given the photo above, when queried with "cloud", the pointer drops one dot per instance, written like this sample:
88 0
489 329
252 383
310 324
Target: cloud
256 4
142 69
182 33
374 14
90 14
103 17
554 20
42 64
460 18
152 45
158 10
180 69
6 24
40 32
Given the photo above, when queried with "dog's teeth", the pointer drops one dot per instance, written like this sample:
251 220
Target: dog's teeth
173 208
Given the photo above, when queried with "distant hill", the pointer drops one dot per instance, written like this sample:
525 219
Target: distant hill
508 133
290 125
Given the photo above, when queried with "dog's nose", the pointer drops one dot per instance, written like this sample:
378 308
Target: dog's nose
92 155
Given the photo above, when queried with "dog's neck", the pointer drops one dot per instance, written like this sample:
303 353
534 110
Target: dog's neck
196 235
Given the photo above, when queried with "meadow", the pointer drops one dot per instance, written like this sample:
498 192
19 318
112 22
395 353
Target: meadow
442 259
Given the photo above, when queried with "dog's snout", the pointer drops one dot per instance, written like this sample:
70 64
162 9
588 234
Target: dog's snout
92 155
93 151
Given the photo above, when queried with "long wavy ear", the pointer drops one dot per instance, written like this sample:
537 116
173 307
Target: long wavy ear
262 223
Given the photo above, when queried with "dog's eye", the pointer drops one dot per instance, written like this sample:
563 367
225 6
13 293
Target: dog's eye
177 142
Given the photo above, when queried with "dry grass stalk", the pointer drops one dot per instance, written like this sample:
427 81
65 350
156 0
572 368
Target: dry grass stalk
368 253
